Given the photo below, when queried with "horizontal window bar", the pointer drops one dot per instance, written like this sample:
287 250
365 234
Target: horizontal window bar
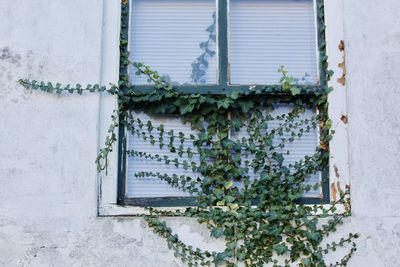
161 201
225 89
191 201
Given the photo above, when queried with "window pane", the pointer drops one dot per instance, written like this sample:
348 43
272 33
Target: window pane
265 34
148 186
295 150
175 38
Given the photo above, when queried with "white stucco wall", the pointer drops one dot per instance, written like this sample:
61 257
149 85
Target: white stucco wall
48 180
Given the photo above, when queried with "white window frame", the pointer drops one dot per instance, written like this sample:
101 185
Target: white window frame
339 158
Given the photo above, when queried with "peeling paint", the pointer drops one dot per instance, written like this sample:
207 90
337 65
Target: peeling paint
339 188
335 168
342 65
333 192
344 119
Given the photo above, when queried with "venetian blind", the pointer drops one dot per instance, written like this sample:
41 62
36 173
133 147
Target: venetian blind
173 37
265 34
138 187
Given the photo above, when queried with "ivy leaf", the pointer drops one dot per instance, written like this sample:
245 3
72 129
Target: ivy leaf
306 261
217 232
231 245
246 105
228 184
234 206
187 108
222 135
295 90
221 203
264 176
241 256
281 249
225 103
315 236
328 123
234 95
229 199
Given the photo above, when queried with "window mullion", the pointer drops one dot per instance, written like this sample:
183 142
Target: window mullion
222 42
321 46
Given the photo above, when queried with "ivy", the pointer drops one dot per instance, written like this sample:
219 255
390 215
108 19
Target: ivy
245 191
259 218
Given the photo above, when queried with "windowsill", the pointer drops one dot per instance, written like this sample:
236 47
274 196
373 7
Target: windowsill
118 210
109 210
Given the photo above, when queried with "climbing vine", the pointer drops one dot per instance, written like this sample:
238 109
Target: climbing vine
260 220
246 191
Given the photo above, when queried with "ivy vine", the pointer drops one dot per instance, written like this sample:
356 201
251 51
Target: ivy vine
259 221
245 191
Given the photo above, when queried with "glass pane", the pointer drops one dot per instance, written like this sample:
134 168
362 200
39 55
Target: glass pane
294 150
265 34
177 38
140 183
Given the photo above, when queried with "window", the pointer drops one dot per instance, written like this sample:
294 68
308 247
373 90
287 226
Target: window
214 47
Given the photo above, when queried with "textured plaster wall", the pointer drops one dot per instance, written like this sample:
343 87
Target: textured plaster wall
372 32
48 188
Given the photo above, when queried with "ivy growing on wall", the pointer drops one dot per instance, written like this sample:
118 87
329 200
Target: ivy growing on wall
246 193
261 220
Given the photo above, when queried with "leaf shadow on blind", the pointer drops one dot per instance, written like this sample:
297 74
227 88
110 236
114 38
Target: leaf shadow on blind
176 37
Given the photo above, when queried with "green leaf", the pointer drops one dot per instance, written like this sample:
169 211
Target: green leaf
217 232
229 199
281 249
220 256
228 184
246 105
264 176
295 90
315 236
221 203
306 261
233 206
186 108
